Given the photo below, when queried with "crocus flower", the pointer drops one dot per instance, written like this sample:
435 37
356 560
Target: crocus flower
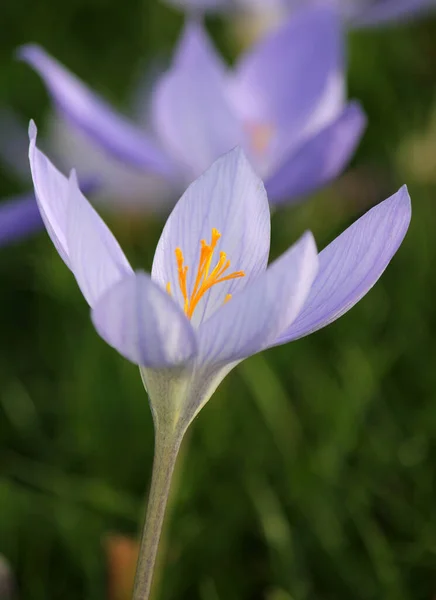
211 299
284 104
357 13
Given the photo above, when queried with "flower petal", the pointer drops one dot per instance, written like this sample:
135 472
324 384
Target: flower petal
330 105
80 236
19 218
94 116
230 198
51 190
320 159
137 318
196 51
282 80
190 110
352 264
254 318
383 11
95 256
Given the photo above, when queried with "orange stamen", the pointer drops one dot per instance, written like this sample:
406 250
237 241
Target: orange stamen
205 278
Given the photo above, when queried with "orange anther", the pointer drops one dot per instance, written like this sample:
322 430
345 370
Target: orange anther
205 278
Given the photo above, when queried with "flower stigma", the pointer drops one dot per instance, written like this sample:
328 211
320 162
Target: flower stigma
260 135
206 278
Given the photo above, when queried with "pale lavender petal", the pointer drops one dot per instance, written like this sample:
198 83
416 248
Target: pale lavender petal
51 190
139 319
352 264
194 120
330 105
320 159
190 111
80 236
95 256
19 218
196 51
382 11
254 317
230 198
115 133
282 80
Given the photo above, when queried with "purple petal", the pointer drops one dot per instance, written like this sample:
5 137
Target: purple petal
51 190
19 218
383 11
195 51
230 198
282 80
320 159
80 236
352 264
139 319
253 319
95 117
190 110
96 258
330 106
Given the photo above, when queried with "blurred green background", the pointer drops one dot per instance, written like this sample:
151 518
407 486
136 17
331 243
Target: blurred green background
311 472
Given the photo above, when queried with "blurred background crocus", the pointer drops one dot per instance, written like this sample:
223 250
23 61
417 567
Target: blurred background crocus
356 13
284 103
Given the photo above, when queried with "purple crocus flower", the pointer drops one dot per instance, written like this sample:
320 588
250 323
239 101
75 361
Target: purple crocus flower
211 299
283 103
356 13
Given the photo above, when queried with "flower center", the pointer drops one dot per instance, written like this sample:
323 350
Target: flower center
260 136
206 278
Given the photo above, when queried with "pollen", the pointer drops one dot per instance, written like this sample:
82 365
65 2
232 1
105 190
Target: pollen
206 276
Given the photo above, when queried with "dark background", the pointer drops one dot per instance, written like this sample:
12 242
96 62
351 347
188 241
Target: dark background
310 474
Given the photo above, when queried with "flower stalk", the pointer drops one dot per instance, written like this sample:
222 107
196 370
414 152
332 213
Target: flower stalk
165 455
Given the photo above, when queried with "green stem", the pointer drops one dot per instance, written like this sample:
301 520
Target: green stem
165 455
